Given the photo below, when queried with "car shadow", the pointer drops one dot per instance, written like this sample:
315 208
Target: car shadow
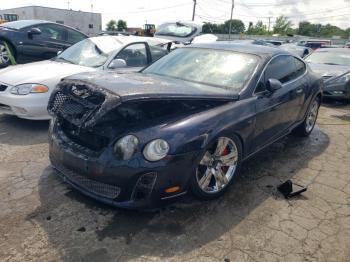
332 103
81 229
17 131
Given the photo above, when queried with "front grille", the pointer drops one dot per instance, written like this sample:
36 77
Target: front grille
67 106
3 87
92 186
5 107
83 137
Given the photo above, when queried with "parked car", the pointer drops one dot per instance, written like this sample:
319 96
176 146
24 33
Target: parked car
315 44
274 42
252 42
333 64
35 40
300 51
25 89
184 123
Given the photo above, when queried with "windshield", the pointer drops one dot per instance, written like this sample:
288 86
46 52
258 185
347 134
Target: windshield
91 52
176 29
331 58
225 69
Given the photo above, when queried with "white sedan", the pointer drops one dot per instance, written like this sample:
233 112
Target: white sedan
25 89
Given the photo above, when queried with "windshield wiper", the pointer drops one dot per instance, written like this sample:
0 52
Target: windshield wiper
331 64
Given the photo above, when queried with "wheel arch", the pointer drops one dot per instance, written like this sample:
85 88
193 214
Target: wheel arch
12 46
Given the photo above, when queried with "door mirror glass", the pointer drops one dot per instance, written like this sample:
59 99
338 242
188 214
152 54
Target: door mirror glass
117 63
273 84
34 31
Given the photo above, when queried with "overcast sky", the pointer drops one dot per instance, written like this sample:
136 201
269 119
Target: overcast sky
137 12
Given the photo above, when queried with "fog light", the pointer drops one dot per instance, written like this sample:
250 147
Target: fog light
144 186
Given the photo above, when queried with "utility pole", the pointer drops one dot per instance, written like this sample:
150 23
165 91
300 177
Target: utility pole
68 4
229 32
269 24
194 9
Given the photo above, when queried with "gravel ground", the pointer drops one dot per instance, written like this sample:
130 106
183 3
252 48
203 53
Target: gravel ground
43 219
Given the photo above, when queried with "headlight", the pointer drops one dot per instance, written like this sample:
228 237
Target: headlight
25 89
126 147
340 80
156 150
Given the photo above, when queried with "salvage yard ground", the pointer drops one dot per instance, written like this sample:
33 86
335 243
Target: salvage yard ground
43 219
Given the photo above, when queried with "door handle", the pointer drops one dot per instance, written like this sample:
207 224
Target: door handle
299 90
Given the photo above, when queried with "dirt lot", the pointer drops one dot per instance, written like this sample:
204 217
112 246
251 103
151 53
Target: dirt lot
42 219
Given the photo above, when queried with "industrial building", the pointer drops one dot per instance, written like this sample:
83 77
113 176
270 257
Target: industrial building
87 22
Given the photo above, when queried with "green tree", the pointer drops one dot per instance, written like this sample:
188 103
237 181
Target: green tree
282 26
111 26
121 26
258 29
237 26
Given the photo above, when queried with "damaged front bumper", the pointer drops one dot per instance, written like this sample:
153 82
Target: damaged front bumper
134 183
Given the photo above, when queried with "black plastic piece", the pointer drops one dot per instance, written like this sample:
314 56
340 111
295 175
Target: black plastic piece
286 189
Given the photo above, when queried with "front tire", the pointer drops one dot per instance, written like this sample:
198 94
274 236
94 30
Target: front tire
217 169
4 55
306 127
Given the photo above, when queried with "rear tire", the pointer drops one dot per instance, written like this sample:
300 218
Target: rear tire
217 169
4 56
306 127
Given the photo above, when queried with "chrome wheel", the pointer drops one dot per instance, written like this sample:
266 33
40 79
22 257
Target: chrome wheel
217 167
312 116
4 56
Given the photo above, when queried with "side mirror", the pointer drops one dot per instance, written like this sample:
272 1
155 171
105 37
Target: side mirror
117 63
59 52
273 84
34 31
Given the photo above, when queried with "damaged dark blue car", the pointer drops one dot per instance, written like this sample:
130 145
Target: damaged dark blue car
184 124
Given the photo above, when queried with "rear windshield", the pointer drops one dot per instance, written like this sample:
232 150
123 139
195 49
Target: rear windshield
176 29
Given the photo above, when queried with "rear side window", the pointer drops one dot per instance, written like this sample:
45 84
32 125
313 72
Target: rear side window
300 67
157 52
74 36
281 68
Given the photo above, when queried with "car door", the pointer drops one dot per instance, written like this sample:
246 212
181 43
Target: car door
46 44
277 111
135 55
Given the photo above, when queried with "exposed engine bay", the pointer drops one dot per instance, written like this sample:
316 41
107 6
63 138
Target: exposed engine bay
91 116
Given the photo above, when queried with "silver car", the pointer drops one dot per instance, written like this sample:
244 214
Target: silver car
25 89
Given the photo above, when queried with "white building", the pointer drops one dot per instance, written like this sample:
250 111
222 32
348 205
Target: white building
86 22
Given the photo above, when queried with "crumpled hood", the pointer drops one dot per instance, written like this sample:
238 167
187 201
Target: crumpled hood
329 70
39 72
130 86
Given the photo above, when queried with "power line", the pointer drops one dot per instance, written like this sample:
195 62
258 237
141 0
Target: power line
149 10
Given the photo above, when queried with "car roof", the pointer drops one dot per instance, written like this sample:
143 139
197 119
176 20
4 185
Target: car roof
243 48
23 23
125 40
334 50
19 24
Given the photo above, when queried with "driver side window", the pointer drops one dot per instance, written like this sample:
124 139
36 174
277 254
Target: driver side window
281 68
135 55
